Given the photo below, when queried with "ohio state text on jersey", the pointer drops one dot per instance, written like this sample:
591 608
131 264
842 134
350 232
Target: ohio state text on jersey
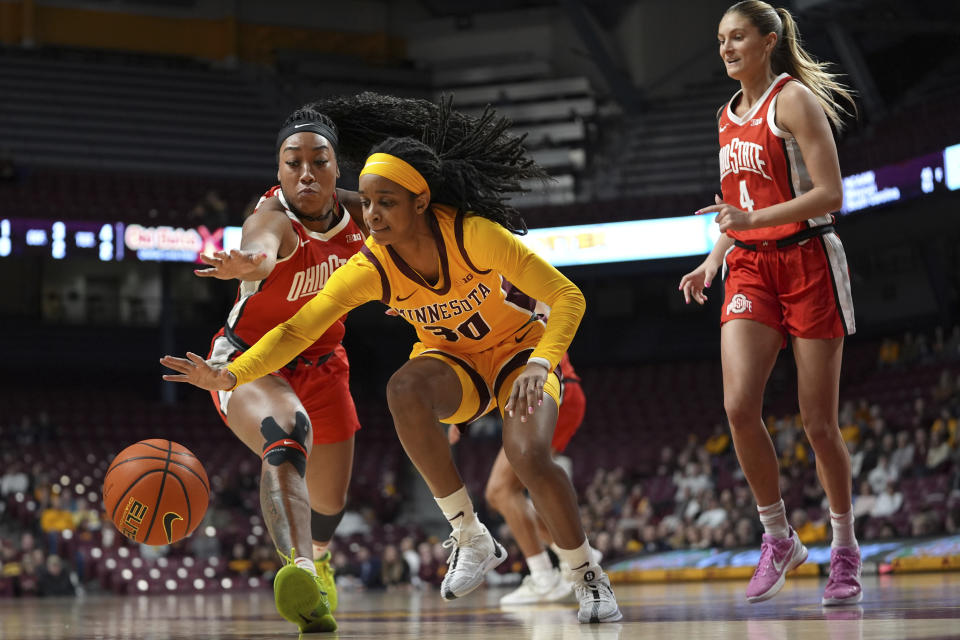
760 164
263 304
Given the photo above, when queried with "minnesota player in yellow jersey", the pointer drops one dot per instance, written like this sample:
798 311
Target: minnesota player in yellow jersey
440 247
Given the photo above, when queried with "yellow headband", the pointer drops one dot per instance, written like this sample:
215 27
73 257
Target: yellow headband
393 168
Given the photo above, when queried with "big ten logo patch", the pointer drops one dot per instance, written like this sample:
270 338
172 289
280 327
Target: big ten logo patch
132 518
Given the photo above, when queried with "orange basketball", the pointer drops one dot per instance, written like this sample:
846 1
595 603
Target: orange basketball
156 492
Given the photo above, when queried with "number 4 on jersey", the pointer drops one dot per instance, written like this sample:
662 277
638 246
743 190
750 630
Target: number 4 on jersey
745 202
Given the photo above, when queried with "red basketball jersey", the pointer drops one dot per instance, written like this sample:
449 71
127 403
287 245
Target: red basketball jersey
262 305
760 164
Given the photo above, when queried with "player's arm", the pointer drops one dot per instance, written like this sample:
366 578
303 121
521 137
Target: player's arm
491 246
799 114
261 240
348 287
351 200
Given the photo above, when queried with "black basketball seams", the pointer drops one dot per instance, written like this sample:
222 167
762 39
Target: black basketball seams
113 515
176 453
173 462
156 503
186 497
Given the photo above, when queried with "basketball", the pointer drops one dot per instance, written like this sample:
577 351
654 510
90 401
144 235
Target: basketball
156 492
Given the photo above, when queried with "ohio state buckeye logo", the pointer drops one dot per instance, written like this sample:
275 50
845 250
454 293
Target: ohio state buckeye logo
739 303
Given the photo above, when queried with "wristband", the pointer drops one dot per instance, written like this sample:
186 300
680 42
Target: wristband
541 361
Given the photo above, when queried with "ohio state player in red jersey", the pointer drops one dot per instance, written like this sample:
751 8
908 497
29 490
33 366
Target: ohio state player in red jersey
303 414
785 275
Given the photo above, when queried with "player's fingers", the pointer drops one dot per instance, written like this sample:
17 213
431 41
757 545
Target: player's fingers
211 260
717 199
176 378
512 400
205 273
710 209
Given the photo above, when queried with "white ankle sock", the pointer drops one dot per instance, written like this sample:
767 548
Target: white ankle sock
306 564
575 558
539 565
774 520
458 510
843 535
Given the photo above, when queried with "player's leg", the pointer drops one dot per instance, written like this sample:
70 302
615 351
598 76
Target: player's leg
527 447
328 478
269 418
818 384
422 392
506 494
748 351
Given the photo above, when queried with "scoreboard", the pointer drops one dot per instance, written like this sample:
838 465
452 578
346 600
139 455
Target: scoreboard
105 241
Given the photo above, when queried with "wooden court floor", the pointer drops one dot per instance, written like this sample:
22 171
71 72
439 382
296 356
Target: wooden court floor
894 607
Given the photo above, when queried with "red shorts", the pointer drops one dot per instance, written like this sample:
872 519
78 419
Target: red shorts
801 290
323 391
570 416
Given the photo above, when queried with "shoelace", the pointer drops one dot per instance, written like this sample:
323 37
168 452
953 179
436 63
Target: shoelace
765 565
846 564
453 544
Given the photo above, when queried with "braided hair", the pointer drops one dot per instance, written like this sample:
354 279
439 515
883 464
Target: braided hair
470 163
308 113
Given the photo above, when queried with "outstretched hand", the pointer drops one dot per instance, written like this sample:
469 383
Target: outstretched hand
729 218
227 265
694 283
527 392
196 371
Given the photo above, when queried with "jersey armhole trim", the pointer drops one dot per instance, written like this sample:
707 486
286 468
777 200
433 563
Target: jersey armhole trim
772 120
461 246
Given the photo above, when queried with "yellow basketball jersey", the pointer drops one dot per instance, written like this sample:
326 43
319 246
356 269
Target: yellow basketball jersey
469 309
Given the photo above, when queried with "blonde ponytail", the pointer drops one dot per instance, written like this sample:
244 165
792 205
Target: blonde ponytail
790 57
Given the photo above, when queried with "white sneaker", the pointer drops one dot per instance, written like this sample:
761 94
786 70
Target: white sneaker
597 602
468 563
532 591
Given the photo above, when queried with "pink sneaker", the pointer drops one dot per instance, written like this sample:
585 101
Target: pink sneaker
843 587
777 557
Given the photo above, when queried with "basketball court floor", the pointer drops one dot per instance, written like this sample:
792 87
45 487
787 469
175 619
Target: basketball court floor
894 607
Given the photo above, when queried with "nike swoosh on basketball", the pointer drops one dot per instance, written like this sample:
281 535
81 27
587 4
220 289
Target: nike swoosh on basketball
168 519
401 299
520 338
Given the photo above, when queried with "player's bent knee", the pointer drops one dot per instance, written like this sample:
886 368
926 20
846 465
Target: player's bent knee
280 447
404 388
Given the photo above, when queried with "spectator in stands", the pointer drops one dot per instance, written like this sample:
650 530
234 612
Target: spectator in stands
888 502
882 474
921 447
55 580
14 480
718 443
394 570
864 502
692 481
409 552
808 531
55 519
903 455
889 354
938 457
28 579
946 424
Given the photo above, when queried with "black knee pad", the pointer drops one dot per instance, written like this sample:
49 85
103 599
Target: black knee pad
280 447
322 526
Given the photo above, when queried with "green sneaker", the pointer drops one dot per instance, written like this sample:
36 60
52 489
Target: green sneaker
327 583
300 599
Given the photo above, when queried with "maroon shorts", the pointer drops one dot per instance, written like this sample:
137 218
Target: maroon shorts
324 391
800 290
